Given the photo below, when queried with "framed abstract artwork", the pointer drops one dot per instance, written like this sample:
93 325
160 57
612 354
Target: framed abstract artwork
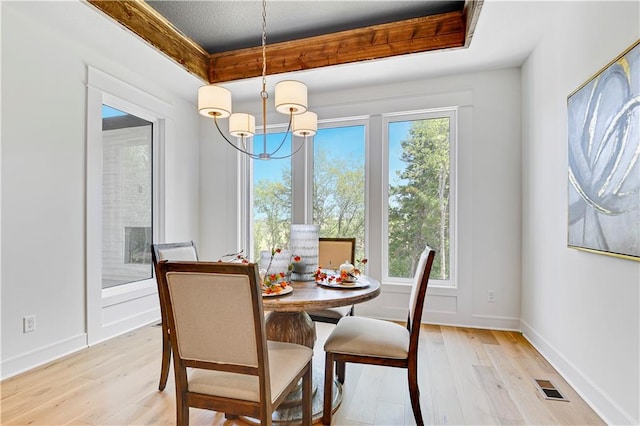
604 159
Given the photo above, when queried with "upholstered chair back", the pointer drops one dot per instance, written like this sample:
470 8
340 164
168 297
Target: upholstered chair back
332 252
419 288
220 307
176 251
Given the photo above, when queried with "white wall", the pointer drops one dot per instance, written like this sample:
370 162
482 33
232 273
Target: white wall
489 185
46 49
579 309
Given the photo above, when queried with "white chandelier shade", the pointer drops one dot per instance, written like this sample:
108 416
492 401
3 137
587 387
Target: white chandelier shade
305 124
291 97
214 101
242 125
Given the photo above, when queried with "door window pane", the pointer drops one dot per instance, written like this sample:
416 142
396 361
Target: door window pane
126 198
271 185
339 183
418 212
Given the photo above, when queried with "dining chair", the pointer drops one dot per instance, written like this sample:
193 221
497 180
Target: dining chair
332 252
378 342
216 318
169 251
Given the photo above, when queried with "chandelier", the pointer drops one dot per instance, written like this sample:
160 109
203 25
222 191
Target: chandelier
290 98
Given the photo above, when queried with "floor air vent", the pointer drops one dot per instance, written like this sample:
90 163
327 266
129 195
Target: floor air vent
549 390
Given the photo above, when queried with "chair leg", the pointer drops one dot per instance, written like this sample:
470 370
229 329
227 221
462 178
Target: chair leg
182 411
166 357
328 389
414 394
340 371
307 409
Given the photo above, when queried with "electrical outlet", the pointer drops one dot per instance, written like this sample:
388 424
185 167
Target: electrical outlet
491 296
29 324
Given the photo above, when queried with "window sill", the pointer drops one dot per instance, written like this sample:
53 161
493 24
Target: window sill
127 292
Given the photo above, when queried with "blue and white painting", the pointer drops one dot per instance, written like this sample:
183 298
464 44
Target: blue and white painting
604 159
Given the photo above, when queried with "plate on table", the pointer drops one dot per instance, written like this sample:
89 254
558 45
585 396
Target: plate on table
346 285
288 289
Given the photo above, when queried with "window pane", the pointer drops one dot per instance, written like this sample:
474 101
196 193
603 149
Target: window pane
126 198
338 183
418 195
271 194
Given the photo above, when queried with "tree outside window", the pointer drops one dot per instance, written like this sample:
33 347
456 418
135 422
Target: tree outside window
338 189
339 184
419 184
271 196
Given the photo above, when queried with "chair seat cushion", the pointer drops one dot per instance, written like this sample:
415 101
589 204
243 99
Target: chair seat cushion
333 313
286 360
369 337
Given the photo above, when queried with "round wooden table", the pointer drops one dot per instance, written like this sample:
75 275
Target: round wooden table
288 321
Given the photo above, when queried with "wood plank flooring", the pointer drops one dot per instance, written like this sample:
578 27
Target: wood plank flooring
467 377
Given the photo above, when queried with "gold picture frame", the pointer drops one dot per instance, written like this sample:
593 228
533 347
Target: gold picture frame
604 159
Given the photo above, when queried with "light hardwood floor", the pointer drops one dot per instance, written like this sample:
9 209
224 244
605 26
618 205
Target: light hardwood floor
467 376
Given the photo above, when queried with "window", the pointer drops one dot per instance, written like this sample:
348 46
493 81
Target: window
124 203
419 202
337 188
271 212
126 197
339 183
393 190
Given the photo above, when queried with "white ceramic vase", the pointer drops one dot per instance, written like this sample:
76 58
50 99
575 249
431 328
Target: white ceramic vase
280 262
303 242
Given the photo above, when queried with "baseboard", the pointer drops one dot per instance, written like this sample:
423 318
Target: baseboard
442 318
128 324
40 356
593 395
37 357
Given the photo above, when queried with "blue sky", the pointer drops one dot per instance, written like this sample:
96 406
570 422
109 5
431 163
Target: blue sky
107 112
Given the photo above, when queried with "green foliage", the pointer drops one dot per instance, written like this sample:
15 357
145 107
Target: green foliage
338 206
419 204
272 213
338 195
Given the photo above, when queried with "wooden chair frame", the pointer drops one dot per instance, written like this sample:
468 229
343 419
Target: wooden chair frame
156 250
410 363
264 408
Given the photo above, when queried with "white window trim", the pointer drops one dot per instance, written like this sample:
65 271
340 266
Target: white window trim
388 118
105 89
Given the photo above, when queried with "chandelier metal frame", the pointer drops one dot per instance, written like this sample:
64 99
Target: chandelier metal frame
290 98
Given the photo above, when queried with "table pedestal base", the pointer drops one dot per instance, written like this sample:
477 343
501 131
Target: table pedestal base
291 327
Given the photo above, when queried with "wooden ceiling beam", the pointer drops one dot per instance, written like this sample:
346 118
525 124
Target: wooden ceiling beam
443 31
144 21
435 32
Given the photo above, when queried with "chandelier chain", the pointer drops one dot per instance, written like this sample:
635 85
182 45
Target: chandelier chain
264 47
